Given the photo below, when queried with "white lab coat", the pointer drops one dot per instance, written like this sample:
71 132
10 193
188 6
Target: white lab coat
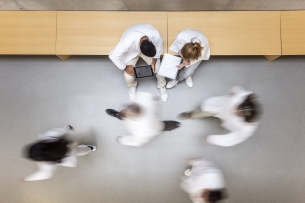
224 108
46 169
145 127
129 46
204 175
186 36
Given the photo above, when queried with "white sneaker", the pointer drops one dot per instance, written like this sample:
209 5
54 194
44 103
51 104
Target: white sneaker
189 81
171 84
92 147
132 93
188 172
164 94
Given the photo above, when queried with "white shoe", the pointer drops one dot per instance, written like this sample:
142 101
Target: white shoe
171 84
164 94
132 93
189 81
92 147
188 172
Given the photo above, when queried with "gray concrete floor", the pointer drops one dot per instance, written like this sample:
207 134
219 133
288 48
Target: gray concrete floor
148 5
41 92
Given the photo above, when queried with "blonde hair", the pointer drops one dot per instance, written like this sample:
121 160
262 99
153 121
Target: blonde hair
191 50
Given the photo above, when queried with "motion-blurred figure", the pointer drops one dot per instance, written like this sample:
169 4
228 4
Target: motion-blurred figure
203 182
52 149
238 112
141 120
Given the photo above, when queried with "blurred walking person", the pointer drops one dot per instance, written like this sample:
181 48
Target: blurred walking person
54 148
239 113
203 182
141 120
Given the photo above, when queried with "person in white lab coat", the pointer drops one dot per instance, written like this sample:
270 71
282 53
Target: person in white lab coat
141 120
203 182
239 113
54 148
193 46
141 40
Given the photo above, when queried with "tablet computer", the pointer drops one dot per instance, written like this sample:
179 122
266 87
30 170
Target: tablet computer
143 71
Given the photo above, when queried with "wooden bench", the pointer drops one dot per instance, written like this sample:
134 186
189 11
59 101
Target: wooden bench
293 32
232 32
97 33
27 32
65 33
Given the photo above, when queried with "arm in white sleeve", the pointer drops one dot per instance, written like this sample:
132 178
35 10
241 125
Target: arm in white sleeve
55 133
229 139
237 89
135 141
159 48
45 171
117 53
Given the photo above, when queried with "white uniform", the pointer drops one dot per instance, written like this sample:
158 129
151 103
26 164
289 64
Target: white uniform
204 175
46 169
145 127
224 107
129 46
186 36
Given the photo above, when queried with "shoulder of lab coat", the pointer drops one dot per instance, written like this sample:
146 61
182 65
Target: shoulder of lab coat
205 175
157 41
233 138
70 160
121 48
239 96
219 104
186 36
55 133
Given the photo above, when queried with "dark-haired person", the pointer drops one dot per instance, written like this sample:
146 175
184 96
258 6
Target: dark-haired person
239 113
141 120
193 46
52 149
141 40
203 182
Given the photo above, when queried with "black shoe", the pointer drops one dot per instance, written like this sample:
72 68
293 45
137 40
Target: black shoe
171 125
113 113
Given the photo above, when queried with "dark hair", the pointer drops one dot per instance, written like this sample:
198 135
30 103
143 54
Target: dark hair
148 48
48 151
250 109
214 196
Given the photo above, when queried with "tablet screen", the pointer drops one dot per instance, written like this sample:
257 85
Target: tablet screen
143 71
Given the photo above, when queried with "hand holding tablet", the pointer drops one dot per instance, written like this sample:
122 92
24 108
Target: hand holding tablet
143 71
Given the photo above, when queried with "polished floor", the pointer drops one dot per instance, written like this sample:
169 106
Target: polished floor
41 92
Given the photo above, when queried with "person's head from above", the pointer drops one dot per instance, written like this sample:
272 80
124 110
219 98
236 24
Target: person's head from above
212 196
48 151
147 47
131 111
191 51
249 109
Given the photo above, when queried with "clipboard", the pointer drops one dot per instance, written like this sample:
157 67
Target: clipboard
169 65
143 71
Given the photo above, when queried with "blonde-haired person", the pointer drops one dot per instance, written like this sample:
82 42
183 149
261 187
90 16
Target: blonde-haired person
193 47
